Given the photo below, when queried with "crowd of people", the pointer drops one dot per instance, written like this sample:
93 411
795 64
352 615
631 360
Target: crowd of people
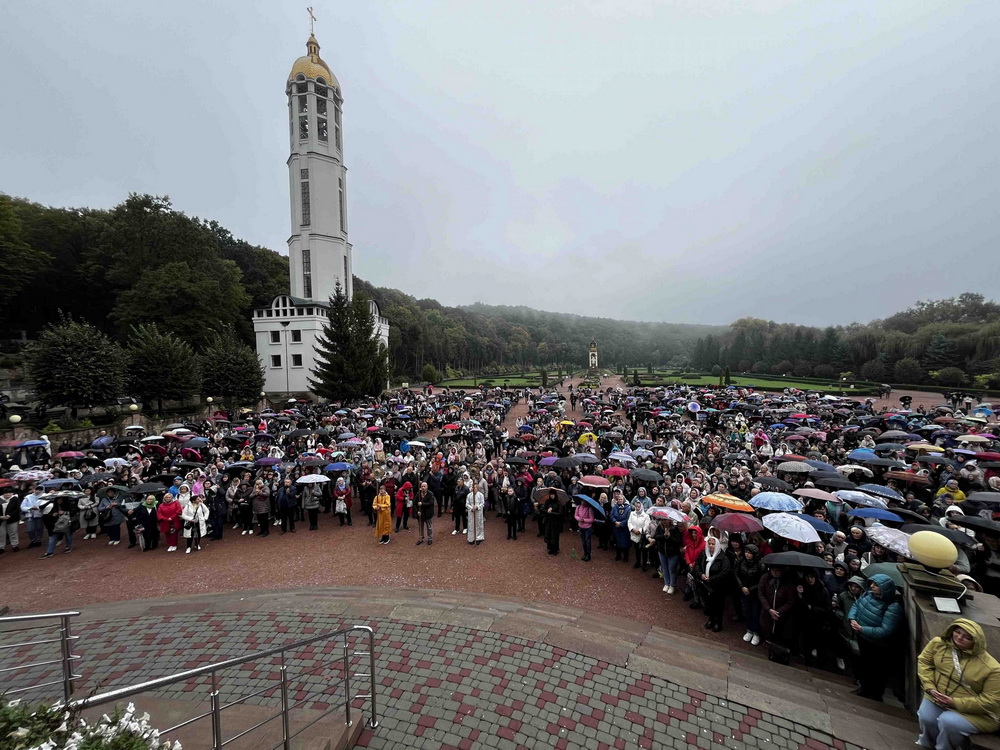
780 512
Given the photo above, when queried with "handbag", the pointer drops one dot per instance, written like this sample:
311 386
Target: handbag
89 514
341 506
105 516
62 524
779 654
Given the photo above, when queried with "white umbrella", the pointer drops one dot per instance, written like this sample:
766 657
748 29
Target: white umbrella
790 526
851 468
794 467
893 540
112 462
313 479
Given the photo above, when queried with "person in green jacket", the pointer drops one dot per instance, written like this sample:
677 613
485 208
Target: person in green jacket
961 685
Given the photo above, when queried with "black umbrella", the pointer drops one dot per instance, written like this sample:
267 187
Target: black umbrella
148 488
796 560
117 487
773 483
646 475
301 432
933 459
515 441
516 461
398 433
167 478
837 483
190 465
989 498
915 518
956 536
568 462
89 479
979 524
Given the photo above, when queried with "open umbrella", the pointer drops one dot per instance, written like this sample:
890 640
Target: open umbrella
817 523
661 513
794 467
878 513
116 487
566 462
796 560
646 475
516 461
988 498
791 526
735 523
775 501
860 498
834 483
591 480
722 500
814 494
267 461
886 493
312 479
773 483
32 475
954 535
893 540
56 483
541 494
847 469
70 454
991 528
598 508
616 471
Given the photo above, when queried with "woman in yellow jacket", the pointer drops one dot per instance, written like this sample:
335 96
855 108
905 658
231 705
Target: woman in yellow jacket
383 515
961 685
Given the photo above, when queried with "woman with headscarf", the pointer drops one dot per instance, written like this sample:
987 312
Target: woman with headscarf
261 506
961 684
619 527
712 573
404 502
694 543
146 523
195 518
876 617
343 500
168 516
382 507
638 520
584 516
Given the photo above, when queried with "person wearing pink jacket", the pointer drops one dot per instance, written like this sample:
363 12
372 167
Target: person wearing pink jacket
584 516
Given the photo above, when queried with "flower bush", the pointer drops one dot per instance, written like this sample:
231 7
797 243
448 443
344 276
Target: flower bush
41 727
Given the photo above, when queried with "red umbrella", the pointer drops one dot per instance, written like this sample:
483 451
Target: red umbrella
191 454
153 448
451 426
594 481
735 523
69 454
616 471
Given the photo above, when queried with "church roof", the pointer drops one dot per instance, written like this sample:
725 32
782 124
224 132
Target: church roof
311 65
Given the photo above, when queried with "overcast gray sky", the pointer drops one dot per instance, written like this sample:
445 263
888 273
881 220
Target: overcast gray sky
679 160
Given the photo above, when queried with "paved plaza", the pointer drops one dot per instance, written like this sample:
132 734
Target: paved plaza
454 671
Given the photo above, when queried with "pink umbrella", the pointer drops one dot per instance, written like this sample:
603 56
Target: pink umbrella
594 481
815 494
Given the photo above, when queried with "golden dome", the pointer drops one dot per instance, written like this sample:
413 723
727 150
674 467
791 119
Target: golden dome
311 65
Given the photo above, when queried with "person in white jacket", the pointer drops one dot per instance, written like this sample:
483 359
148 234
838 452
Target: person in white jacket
638 522
474 505
195 518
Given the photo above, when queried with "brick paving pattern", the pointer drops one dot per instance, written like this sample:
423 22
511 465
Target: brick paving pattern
441 686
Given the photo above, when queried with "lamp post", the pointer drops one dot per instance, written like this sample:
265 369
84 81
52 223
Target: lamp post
133 409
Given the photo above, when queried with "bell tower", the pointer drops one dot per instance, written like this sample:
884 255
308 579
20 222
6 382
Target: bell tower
592 363
318 249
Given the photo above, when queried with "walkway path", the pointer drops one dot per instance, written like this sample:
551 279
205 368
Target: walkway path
460 671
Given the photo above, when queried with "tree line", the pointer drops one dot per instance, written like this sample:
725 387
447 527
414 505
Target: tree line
952 342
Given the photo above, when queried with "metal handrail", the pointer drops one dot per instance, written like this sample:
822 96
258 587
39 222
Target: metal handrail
217 707
66 655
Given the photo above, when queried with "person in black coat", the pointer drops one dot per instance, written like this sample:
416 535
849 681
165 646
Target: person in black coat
713 574
449 483
218 510
286 501
747 574
553 513
510 506
813 616
458 507
367 492
145 520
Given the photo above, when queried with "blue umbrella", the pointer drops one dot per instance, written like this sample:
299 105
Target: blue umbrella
339 466
598 508
102 441
886 493
36 443
346 436
860 498
821 526
775 501
860 454
196 442
59 483
882 515
820 464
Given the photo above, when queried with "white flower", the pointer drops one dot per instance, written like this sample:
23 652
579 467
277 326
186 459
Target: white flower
19 733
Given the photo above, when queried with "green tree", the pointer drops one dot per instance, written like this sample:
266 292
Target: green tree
728 376
825 371
430 374
908 370
874 370
160 366
351 361
74 364
716 370
784 367
544 375
941 352
231 369
951 376
635 377
21 262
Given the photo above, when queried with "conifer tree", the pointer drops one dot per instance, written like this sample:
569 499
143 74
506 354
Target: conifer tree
351 361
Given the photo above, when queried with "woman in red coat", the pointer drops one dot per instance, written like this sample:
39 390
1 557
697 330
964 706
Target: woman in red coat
693 544
342 501
168 518
404 502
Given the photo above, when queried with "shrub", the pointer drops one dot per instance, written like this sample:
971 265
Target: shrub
825 371
873 370
951 376
430 374
716 370
908 370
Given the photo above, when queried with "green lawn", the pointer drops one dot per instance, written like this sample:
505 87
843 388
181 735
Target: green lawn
497 380
765 382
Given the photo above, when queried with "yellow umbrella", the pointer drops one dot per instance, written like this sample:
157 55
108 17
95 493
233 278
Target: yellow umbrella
972 439
925 448
585 437
567 422
728 501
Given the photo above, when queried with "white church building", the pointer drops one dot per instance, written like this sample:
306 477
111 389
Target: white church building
319 252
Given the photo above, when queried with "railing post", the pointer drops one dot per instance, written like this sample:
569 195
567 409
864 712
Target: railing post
67 660
371 671
286 736
347 680
216 715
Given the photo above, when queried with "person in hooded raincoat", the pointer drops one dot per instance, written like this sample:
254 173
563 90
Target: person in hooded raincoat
619 527
876 617
382 507
961 684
